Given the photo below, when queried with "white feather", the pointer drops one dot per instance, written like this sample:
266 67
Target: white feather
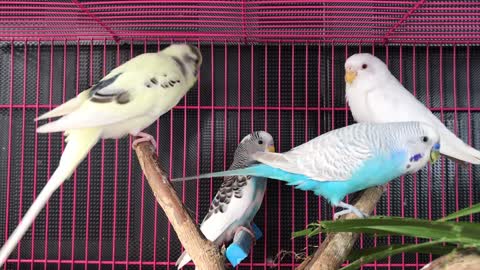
79 144
377 96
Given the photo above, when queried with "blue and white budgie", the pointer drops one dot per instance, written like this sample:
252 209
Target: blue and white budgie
347 160
239 198
375 95
126 101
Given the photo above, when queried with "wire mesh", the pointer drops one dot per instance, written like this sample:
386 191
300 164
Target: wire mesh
403 21
271 65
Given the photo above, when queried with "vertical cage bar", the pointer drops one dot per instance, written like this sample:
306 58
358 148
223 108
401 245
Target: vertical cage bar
469 113
455 118
184 157
35 150
197 188
239 91
402 178
102 171
9 154
332 98
115 181
64 92
279 187
72 245
319 122
389 186
306 139
129 194
251 129
212 121
49 145
442 119
170 169
292 143
87 224
375 264
22 152
155 214
251 91
265 200
142 203
415 180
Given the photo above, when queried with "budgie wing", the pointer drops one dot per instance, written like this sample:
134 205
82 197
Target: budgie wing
226 207
397 105
120 97
330 157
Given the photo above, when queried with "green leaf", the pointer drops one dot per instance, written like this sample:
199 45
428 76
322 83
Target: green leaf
438 249
390 251
310 231
453 232
464 212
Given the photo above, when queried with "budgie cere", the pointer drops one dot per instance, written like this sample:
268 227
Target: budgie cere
347 160
130 98
239 197
375 95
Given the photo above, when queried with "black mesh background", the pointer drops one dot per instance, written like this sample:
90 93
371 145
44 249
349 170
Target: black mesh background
293 92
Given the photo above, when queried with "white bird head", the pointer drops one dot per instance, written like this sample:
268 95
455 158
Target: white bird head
364 71
422 147
188 57
258 141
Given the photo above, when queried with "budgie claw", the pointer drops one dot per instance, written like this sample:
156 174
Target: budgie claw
348 209
144 137
247 230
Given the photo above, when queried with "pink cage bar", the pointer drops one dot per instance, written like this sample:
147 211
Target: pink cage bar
272 65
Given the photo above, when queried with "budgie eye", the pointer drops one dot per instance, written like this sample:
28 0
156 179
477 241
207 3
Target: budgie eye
424 139
260 142
364 66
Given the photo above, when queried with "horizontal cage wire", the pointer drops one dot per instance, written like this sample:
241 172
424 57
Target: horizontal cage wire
267 65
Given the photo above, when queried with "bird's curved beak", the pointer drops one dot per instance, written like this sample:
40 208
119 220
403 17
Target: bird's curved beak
271 148
435 153
350 76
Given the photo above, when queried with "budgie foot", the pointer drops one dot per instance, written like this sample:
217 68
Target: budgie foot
247 230
348 209
144 137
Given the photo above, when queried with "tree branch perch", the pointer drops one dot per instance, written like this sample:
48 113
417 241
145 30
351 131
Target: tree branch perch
336 247
204 253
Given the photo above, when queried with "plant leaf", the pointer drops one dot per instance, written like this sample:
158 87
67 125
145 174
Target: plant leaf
453 232
464 212
390 251
438 249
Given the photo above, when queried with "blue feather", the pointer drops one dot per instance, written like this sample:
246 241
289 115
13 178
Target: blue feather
373 172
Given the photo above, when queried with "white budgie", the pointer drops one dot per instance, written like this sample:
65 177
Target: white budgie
239 197
347 160
126 101
375 95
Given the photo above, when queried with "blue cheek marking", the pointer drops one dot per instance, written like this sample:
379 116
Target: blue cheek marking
436 146
416 157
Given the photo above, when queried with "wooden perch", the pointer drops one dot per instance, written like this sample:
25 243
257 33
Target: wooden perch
467 259
204 253
336 247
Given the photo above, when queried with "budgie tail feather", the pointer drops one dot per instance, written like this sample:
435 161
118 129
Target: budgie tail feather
80 142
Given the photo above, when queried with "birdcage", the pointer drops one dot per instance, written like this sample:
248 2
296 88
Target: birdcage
267 65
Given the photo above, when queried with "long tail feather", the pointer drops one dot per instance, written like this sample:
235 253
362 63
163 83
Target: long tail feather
246 171
79 144
183 260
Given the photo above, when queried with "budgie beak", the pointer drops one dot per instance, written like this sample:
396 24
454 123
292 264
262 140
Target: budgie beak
435 153
350 76
271 148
